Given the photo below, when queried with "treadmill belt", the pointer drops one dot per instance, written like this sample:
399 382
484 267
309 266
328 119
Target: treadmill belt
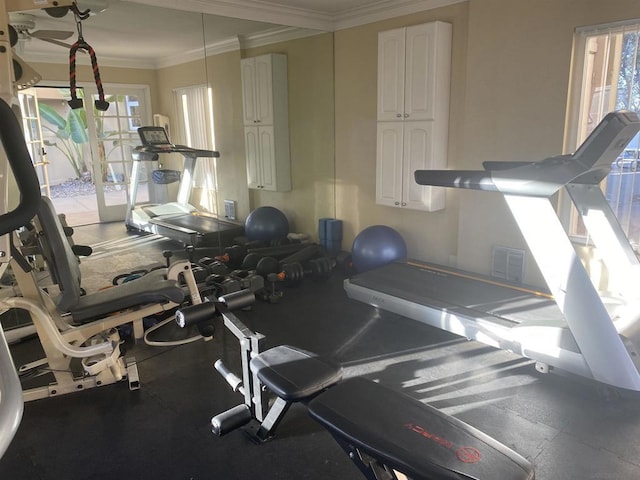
452 289
199 223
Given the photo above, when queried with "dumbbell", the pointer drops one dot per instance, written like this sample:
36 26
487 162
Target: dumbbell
236 255
235 281
213 266
292 274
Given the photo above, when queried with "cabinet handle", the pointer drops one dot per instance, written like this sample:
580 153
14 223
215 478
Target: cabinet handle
406 115
396 203
404 204
399 115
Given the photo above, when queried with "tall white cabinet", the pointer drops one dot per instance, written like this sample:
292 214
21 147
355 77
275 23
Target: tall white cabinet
266 122
414 69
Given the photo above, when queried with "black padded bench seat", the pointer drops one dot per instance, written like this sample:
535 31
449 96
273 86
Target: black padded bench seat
295 375
412 437
149 289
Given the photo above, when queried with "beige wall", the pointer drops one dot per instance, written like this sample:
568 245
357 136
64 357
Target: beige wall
429 236
509 88
519 58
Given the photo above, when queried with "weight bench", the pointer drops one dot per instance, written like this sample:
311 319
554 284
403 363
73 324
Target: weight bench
387 434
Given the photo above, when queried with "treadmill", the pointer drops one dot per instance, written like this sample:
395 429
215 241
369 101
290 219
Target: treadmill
569 325
176 220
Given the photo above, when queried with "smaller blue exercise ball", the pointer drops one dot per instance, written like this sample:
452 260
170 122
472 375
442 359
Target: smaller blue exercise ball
376 246
265 224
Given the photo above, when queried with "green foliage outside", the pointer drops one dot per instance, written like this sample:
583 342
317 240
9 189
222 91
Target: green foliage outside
72 135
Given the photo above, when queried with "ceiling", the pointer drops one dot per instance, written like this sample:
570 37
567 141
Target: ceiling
158 33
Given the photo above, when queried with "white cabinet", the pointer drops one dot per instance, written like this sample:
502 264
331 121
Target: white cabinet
266 122
414 65
403 148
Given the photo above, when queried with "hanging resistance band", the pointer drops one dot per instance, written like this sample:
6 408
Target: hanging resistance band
75 102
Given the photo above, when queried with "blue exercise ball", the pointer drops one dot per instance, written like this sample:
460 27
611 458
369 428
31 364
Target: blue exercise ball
265 224
376 246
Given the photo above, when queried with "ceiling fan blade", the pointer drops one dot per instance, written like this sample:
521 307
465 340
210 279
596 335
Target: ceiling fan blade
55 34
55 42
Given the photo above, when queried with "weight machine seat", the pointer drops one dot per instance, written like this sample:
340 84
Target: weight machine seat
151 288
412 437
294 374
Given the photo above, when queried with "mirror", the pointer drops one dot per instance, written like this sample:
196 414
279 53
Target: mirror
171 50
300 127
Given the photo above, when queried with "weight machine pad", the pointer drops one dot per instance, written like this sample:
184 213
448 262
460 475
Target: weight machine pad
153 287
412 437
293 374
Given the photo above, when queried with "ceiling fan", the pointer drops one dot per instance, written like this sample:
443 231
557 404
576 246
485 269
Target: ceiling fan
24 23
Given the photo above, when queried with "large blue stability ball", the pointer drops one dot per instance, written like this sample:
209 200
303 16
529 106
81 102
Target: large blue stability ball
376 246
265 224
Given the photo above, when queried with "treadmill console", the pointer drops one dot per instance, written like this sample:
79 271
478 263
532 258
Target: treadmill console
155 137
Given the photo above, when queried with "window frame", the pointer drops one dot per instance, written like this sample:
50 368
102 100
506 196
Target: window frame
575 111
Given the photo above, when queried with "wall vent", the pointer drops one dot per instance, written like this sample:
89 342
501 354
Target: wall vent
508 264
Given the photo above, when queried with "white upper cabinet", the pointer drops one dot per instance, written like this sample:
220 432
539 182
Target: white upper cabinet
266 122
414 65
413 72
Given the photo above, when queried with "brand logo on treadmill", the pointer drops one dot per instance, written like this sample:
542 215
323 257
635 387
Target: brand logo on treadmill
376 300
464 454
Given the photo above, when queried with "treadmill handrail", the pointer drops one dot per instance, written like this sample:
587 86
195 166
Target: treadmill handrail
590 164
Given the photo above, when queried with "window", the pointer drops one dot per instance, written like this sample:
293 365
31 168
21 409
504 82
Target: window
606 77
196 129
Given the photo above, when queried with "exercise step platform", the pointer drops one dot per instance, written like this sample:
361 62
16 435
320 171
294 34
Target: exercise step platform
380 428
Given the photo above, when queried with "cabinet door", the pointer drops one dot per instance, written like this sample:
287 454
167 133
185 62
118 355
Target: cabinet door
420 72
268 180
264 90
419 154
391 74
248 76
251 143
389 164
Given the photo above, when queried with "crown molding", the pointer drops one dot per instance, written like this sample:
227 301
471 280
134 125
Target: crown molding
384 10
275 35
255 10
106 61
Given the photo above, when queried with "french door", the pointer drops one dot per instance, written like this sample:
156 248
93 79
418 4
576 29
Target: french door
86 150
112 140
33 137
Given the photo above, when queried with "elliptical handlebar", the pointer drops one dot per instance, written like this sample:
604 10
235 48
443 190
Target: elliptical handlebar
19 160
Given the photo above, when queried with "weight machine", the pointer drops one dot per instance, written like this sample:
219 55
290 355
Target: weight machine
13 74
570 326
70 325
